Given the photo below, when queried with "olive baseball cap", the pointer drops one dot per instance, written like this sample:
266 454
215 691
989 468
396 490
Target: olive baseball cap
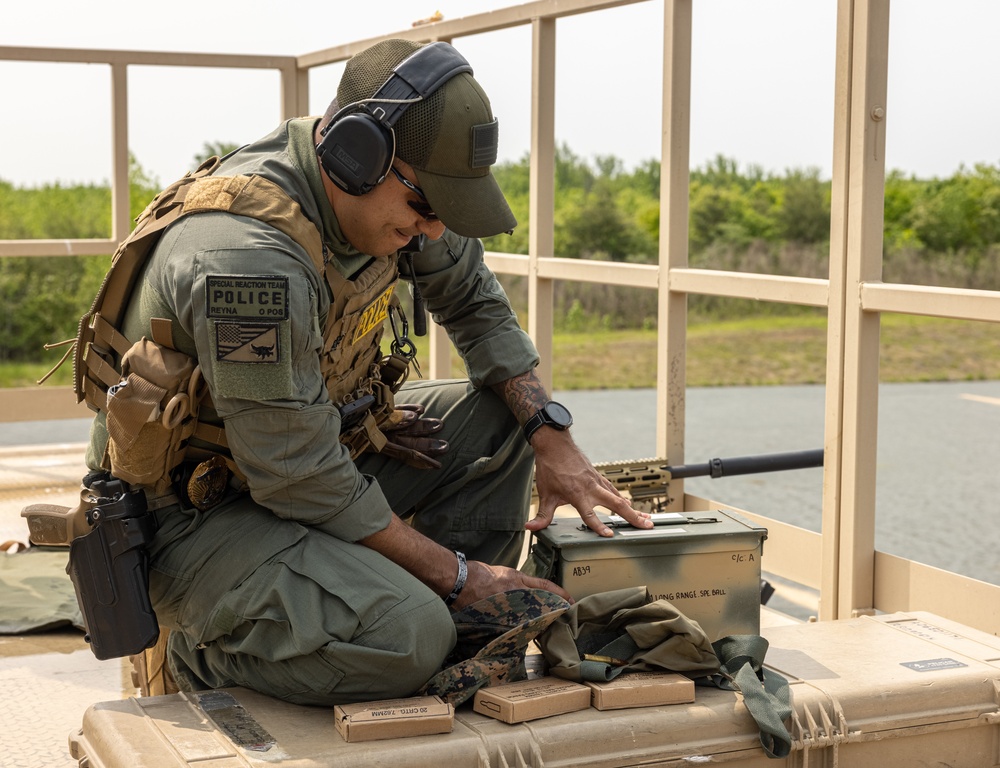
449 138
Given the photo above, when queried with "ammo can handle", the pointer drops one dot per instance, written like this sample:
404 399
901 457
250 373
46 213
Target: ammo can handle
749 465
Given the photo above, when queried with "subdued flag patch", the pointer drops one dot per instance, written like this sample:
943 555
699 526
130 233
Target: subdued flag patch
247 342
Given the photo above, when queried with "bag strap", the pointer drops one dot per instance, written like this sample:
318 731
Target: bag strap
765 695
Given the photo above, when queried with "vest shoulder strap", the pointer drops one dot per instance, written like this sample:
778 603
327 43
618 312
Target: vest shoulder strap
258 198
99 332
108 308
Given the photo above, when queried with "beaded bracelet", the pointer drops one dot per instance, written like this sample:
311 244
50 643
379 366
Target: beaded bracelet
463 574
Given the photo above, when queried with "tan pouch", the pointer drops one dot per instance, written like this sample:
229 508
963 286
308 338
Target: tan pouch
152 413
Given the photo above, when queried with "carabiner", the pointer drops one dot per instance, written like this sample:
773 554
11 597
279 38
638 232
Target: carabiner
402 344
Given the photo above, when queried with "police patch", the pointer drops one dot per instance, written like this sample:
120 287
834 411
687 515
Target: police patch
373 315
259 297
241 342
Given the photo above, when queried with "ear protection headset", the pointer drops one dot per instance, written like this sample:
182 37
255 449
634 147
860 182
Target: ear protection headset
358 145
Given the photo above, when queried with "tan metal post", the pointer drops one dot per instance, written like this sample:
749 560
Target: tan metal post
836 308
541 238
671 379
865 200
294 91
121 216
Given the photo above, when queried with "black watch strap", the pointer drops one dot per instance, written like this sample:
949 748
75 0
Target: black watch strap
552 414
532 425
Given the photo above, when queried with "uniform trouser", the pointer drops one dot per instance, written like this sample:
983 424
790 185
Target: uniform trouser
268 604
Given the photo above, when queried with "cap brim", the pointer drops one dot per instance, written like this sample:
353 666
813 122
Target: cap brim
501 659
472 207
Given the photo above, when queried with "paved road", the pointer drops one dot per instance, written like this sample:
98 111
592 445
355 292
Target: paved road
938 454
938 458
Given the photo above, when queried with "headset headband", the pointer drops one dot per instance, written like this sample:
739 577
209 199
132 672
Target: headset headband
359 143
415 78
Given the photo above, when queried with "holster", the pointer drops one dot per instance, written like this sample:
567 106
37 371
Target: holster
109 568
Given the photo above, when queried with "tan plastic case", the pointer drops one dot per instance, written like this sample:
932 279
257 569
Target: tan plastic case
903 689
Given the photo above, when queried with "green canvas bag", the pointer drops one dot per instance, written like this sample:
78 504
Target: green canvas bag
607 634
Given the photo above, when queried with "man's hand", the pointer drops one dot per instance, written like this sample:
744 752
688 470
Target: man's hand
485 580
563 475
437 567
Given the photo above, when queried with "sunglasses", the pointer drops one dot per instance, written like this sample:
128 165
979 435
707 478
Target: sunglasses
422 208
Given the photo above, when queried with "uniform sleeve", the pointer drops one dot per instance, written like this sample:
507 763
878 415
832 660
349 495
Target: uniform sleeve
464 296
253 312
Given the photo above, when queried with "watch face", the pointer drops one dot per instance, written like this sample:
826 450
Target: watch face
559 415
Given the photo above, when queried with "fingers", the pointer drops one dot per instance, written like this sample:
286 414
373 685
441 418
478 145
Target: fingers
542 518
532 582
485 580
620 506
593 521
586 505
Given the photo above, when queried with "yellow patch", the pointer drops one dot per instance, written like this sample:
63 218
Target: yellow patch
373 315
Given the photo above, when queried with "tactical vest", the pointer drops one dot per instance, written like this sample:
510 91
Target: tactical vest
360 381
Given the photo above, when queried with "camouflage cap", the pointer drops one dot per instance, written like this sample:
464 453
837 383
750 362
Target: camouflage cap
493 637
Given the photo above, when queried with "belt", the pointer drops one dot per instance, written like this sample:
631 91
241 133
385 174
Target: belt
156 501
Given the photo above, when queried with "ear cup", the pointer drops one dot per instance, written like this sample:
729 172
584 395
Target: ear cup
358 145
356 152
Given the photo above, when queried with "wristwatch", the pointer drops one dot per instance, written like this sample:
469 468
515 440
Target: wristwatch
552 414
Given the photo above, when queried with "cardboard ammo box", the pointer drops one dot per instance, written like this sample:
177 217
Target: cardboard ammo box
898 690
641 689
394 718
531 699
707 564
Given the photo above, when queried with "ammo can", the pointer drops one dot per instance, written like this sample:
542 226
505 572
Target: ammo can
707 564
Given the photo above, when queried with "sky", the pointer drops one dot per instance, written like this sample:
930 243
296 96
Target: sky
762 81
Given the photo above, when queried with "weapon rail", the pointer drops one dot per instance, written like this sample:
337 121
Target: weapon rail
647 481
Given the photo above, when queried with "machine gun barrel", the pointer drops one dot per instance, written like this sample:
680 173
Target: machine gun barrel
647 481
749 465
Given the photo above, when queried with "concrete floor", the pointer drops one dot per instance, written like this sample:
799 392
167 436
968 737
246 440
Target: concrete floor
48 678
48 681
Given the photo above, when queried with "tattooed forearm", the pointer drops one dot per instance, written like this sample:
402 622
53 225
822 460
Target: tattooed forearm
524 395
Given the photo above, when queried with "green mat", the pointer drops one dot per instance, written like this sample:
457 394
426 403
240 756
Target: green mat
36 594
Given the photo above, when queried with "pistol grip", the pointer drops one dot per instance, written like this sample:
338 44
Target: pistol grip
52 525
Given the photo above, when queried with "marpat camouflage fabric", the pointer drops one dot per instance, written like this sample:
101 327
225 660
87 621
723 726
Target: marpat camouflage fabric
493 637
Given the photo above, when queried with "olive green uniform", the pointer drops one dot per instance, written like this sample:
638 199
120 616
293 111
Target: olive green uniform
269 589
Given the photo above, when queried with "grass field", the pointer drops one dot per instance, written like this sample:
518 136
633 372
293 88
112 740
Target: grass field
782 350
757 351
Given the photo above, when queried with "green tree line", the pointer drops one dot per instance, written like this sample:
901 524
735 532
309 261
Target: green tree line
605 211
937 231
44 297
